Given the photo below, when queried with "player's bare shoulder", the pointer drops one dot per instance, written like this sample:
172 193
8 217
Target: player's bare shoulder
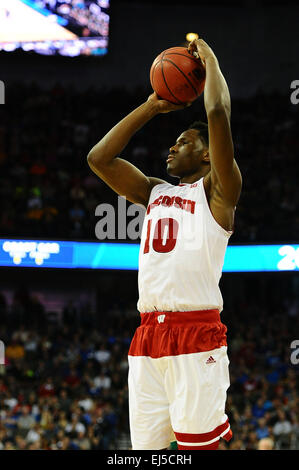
154 181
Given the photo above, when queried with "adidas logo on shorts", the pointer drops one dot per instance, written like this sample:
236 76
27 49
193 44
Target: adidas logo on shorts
211 360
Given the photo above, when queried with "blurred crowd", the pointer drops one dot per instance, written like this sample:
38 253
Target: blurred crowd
64 385
48 190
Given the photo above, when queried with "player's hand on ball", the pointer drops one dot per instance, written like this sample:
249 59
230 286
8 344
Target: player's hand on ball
163 106
200 49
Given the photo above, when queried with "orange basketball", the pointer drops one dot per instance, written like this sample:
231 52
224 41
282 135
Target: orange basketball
177 76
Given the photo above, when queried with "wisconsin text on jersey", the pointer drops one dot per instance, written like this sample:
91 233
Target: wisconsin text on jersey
176 201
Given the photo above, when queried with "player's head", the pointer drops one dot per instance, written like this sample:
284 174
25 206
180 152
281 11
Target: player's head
190 152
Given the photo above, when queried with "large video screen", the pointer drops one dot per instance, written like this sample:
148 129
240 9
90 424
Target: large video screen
66 27
95 255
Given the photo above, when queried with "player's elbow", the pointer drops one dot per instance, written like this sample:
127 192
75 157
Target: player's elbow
218 109
94 159
91 158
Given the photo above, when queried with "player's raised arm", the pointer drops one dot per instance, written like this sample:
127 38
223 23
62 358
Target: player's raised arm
225 173
123 177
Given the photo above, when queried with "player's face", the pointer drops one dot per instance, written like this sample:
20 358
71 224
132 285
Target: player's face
186 155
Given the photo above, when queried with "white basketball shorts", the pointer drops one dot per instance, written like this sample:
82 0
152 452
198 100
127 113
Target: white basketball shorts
178 378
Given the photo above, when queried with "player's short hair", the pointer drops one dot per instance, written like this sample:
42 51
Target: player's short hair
202 129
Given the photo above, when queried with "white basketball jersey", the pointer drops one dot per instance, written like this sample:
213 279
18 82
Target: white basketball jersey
181 252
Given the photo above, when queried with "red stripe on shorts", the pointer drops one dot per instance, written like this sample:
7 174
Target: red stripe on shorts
204 439
204 436
172 333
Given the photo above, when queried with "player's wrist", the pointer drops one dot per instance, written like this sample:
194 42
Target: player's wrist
211 59
152 108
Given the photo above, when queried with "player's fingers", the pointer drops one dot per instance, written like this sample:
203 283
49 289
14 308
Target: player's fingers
182 106
192 45
187 105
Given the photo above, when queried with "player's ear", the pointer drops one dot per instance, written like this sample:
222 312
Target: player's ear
206 156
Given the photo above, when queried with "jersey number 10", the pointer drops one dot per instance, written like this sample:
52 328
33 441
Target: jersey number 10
160 244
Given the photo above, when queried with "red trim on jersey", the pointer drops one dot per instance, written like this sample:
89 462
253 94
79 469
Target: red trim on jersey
172 333
205 436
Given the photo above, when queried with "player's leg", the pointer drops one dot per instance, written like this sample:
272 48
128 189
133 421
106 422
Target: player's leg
196 386
148 405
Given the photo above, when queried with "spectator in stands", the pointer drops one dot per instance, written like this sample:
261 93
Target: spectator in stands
282 429
266 443
262 429
14 350
25 421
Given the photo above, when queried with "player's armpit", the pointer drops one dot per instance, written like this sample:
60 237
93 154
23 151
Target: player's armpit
126 180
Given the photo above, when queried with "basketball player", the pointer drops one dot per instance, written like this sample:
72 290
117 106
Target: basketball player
178 363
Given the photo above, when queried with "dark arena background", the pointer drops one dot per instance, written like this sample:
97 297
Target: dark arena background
69 71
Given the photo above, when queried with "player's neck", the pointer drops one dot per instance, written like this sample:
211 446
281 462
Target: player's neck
195 176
